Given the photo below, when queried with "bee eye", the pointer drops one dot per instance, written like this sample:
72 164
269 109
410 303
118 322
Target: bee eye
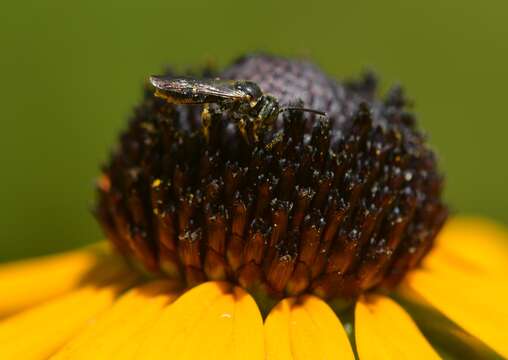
250 88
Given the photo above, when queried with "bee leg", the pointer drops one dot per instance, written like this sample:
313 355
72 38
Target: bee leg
206 121
242 127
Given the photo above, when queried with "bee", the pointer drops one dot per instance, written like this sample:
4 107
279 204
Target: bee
251 109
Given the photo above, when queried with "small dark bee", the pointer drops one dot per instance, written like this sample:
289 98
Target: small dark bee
251 109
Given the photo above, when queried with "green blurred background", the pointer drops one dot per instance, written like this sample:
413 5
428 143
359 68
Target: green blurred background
71 72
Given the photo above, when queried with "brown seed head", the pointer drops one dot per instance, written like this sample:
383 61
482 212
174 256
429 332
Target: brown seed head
334 206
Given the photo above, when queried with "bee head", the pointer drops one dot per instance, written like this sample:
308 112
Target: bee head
250 88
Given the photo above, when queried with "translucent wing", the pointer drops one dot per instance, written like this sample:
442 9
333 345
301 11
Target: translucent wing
197 91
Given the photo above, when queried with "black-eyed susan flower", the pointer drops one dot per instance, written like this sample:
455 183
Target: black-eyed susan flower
311 237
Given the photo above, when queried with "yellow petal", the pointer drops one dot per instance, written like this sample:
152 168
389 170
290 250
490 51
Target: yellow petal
385 331
476 304
211 321
471 246
38 332
29 282
305 328
125 322
442 333
465 277
277 337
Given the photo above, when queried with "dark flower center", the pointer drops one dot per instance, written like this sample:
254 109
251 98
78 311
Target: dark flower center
332 205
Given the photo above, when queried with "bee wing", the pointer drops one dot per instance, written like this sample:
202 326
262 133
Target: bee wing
196 91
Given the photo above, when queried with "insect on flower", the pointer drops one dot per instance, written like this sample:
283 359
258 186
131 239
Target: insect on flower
252 109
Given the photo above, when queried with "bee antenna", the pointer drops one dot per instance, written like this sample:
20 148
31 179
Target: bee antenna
296 108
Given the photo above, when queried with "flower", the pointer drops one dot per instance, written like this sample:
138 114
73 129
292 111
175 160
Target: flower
241 234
